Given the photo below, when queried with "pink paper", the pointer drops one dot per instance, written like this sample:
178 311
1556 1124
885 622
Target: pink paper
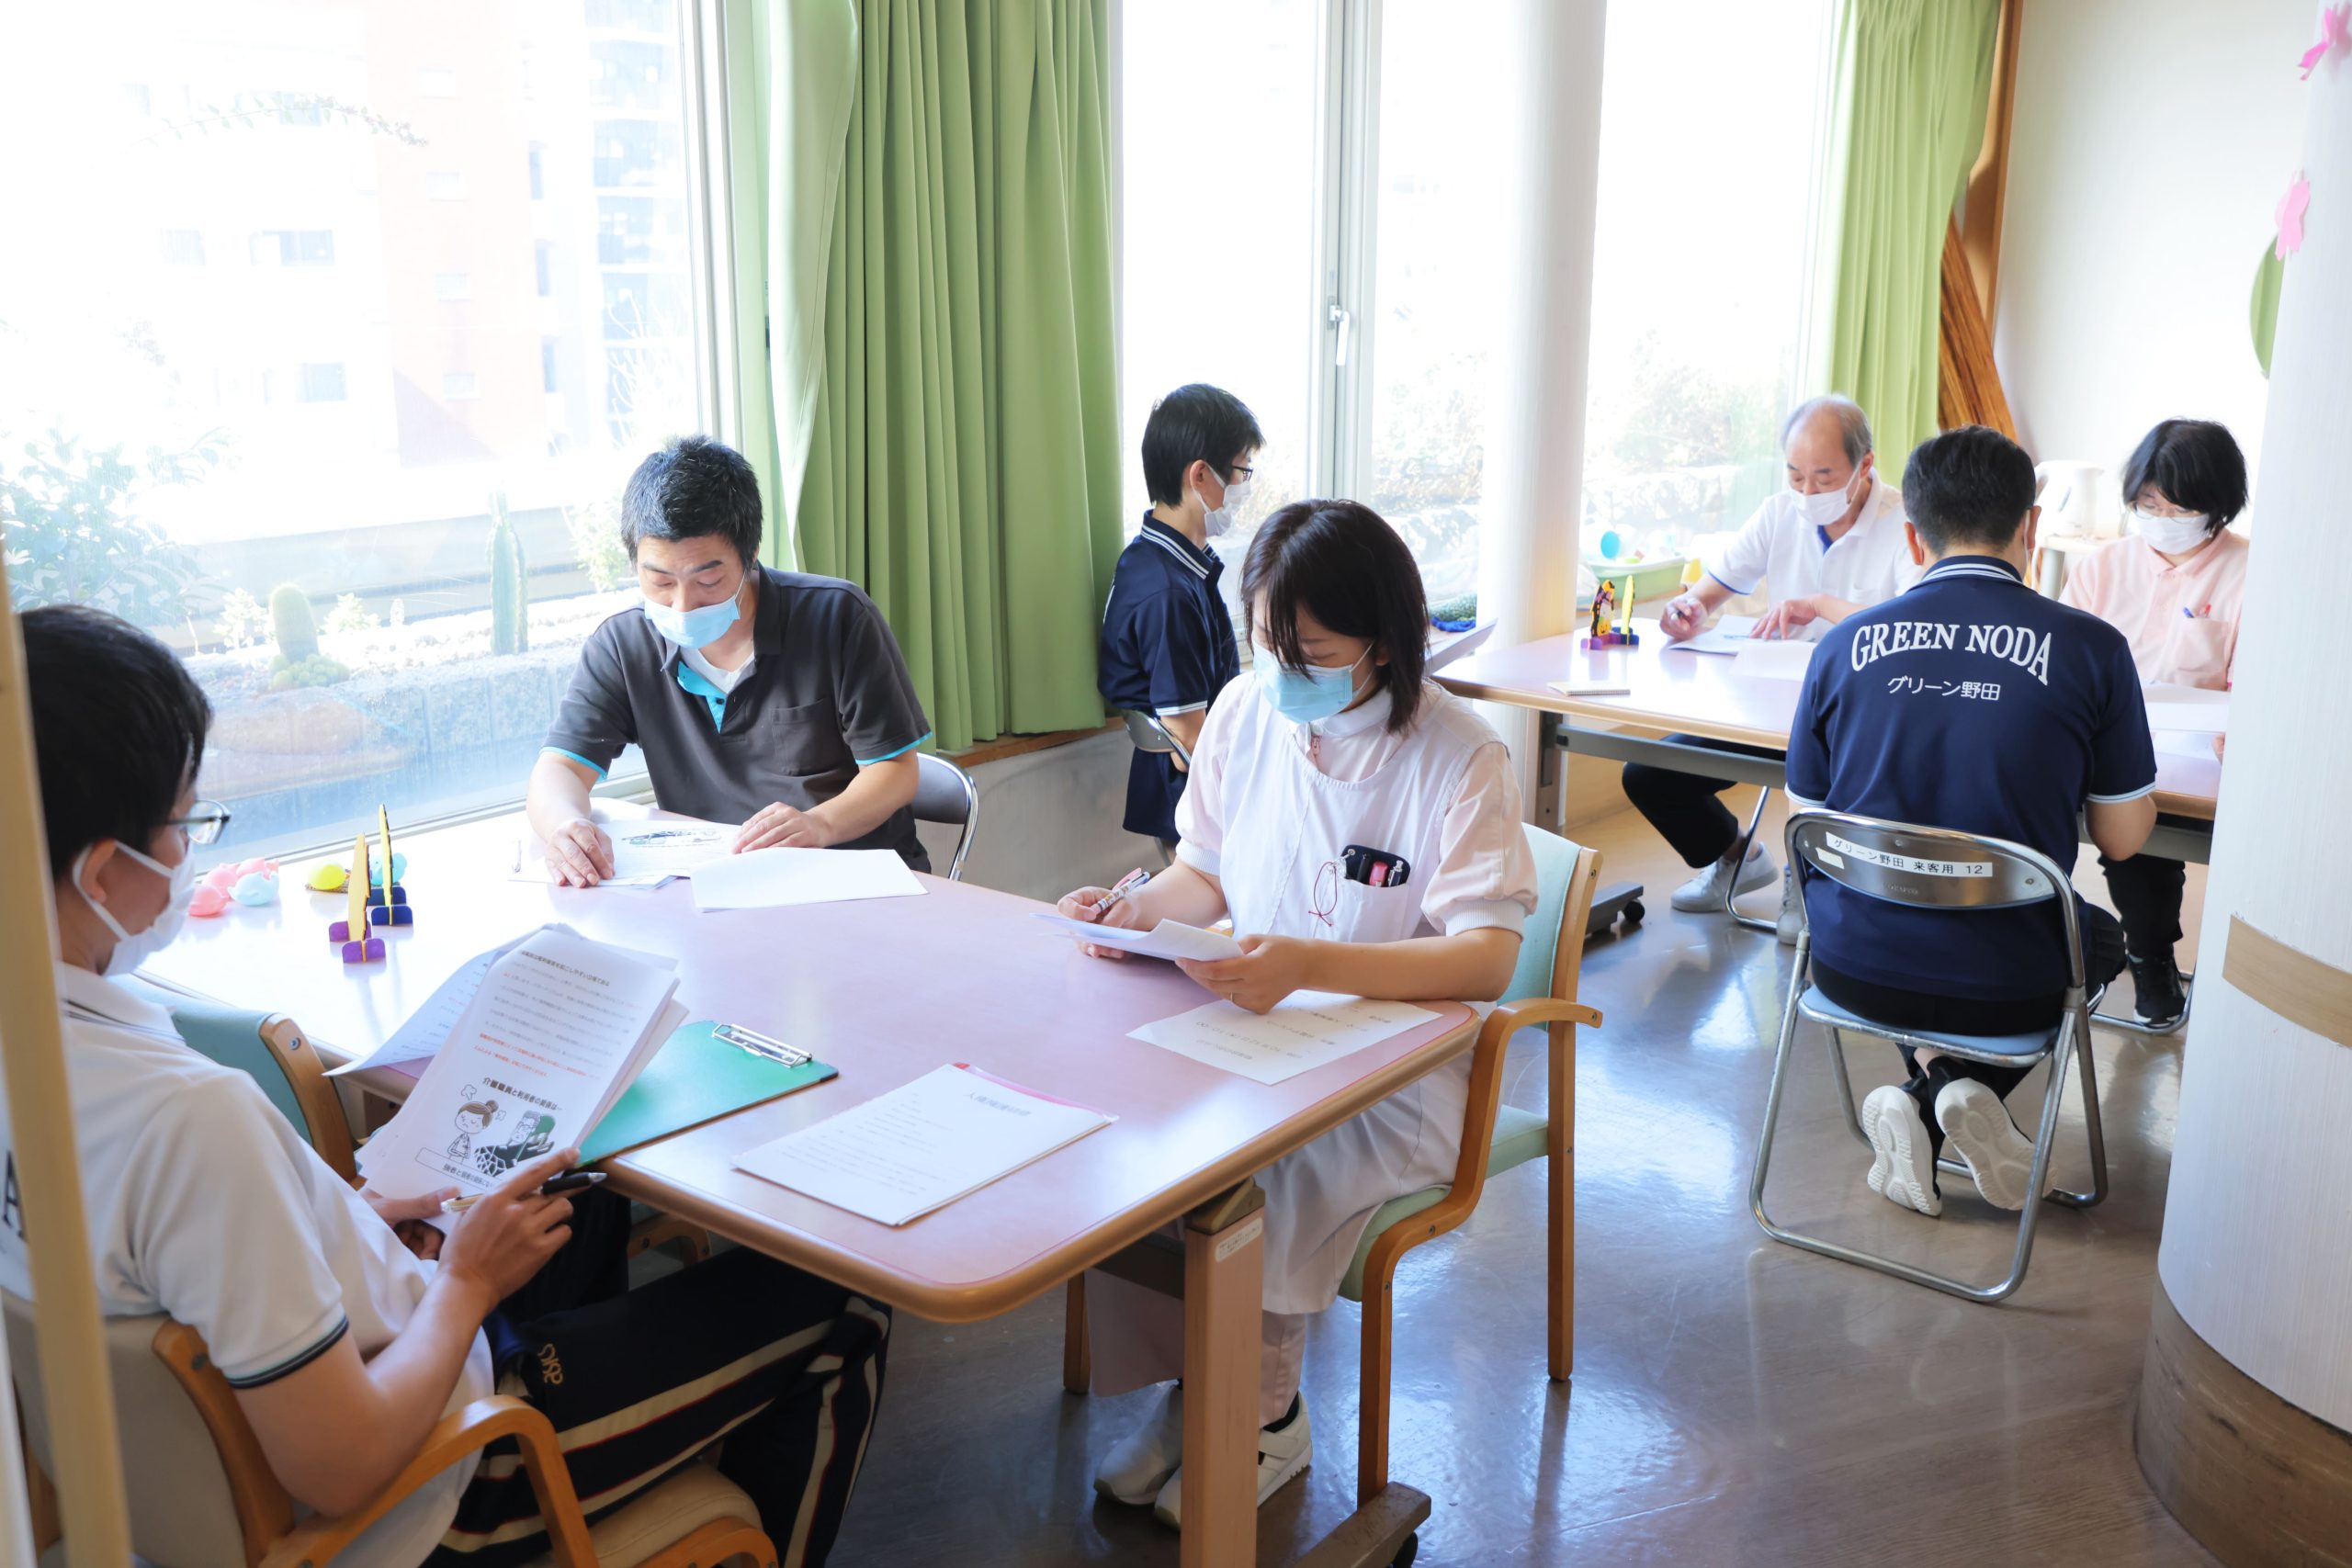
2333 33
2291 208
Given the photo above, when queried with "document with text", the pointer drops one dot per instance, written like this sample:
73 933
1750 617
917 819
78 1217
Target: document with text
922 1146
773 879
1306 1030
1168 939
558 1027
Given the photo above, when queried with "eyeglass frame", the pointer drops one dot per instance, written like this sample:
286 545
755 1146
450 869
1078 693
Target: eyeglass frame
205 823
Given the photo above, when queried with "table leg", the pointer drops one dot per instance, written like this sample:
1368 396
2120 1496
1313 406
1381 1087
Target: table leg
1225 1268
1551 774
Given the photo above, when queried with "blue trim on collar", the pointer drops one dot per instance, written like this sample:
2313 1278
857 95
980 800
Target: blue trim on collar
699 685
1973 566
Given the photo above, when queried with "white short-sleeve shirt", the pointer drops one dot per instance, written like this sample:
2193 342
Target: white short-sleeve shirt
205 1204
1869 564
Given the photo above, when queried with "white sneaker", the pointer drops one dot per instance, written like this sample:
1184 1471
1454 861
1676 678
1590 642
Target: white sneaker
1139 1464
1999 1156
1902 1170
1792 925
1281 1455
1704 892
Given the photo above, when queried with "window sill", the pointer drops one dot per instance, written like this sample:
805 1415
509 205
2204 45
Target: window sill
1008 746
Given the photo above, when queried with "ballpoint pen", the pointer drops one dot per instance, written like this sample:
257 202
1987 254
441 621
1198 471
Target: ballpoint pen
1125 886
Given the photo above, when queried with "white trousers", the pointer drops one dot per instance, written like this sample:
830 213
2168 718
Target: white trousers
1137 1337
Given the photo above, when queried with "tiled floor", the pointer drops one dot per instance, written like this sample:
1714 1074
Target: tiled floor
1734 1402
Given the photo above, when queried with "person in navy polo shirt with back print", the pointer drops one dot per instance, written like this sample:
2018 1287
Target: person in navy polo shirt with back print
1168 647
1968 702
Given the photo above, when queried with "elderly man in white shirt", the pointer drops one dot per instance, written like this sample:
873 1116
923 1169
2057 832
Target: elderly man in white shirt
1830 544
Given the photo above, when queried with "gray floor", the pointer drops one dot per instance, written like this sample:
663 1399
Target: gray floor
1734 1402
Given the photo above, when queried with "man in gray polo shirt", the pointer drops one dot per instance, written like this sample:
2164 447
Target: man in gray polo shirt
774 699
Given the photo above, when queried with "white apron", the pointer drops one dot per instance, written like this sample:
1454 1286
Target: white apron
1286 826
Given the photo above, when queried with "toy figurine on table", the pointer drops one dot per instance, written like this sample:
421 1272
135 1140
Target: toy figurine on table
386 899
351 931
1608 627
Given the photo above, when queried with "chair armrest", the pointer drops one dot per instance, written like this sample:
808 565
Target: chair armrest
1510 1018
315 1540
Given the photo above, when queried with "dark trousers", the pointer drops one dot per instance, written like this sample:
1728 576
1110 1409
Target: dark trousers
2147 891
784 1366
1905 1009
1683 808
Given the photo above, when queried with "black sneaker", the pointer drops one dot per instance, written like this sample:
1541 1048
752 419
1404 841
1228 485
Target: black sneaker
2156 995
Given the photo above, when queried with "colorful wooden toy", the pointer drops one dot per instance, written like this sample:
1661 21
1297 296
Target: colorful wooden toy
1609 628
358 947
387 900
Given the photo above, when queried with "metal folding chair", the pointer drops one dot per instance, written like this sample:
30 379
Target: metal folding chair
945 793
1150 734
1937 868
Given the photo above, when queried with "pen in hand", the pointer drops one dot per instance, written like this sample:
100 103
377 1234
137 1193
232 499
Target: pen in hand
570 1181
1120 889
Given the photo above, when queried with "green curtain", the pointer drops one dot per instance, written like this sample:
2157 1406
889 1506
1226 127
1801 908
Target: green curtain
1912 82
937 194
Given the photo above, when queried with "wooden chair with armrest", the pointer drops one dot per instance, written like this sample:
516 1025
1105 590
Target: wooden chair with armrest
202 1496
1495 1138
272 1050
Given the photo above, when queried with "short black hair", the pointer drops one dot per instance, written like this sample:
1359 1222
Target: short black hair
2195 463
1969 486
1194 424
1343 562
118 728
693 488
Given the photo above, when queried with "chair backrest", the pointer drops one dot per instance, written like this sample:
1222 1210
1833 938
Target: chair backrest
945 793
182 1510
1149 734
1931 868
1551 954
271 1049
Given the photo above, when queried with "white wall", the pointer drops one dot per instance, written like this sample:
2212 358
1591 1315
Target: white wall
2153 140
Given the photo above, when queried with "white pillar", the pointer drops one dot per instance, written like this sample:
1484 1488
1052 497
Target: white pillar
2258 1229
1534 467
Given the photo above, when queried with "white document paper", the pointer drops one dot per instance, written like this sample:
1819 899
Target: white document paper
922 1146
770 879
1168 939
664 848
429 1025
557 1030
2187 707
1728 634
1772 661
1306 1030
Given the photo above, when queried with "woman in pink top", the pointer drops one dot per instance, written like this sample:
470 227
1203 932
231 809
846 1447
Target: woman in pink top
2174 587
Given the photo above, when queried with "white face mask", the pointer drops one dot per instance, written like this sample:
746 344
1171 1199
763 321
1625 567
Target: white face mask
2172 536
1826 508
132 949
1216 520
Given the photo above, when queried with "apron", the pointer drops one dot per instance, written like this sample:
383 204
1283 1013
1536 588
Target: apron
1285 827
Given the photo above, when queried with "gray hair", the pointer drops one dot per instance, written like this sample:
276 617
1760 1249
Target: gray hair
1853 424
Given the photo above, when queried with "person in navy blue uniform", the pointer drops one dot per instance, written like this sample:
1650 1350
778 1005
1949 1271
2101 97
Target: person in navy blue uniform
1968 702
1168 647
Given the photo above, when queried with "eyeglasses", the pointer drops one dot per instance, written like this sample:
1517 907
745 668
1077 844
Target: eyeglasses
204 822
1244 472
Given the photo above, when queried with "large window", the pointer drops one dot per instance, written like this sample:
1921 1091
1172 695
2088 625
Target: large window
1218 195
387 318
1699 259
1312 194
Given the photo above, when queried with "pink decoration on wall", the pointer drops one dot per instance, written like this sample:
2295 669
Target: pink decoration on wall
2291 208
2335 32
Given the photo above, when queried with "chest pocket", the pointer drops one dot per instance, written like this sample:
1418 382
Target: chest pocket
1365 913
2198 652
805 741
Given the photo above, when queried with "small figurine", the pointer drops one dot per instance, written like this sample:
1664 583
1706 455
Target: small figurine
387 900
1608 629
358 947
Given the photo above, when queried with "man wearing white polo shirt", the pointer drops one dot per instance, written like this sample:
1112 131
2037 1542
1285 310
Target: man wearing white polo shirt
1827 545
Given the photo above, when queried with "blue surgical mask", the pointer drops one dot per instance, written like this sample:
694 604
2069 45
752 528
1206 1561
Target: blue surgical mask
1306 696
696 628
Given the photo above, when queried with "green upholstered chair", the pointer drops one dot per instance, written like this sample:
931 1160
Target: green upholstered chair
1495 1138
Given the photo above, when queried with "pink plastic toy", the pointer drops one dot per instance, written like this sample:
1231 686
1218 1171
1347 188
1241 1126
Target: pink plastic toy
207 901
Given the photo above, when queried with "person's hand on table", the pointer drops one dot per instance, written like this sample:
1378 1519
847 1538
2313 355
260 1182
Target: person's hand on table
1682 617
1087 904
512 1230
580 854
1790 617
784 827
1269 968
406 1216
2221 744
